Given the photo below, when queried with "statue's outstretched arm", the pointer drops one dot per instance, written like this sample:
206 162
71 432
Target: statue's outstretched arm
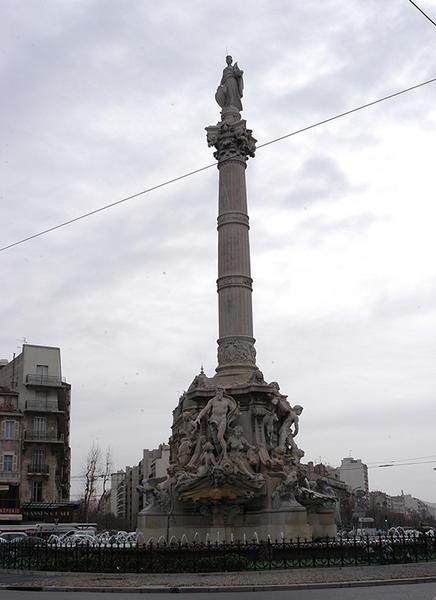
204 411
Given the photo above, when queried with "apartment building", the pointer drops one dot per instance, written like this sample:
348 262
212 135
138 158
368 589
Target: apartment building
10 455
34 435
354 473
125 499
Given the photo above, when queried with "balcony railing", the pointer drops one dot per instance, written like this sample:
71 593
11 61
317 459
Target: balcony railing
9 507
47 406
38 469
8 407
43 436
44 380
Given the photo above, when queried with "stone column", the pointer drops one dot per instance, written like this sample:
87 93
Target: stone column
234 144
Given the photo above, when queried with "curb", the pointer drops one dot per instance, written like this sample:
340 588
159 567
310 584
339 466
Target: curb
230 588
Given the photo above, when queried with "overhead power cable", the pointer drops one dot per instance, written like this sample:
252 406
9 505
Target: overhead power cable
348 112
427 462
377 462
391 464
97 210
422 12
195 171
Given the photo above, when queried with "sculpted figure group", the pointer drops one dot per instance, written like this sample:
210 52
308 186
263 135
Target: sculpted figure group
212 440
211 449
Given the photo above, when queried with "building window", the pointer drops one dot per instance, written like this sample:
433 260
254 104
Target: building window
36 491
38 460
42 372
9 430
8 463
39 425
41 399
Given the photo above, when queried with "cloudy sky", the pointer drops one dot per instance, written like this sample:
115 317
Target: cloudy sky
102 99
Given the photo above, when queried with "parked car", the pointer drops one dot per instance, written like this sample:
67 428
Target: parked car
13 536
32 540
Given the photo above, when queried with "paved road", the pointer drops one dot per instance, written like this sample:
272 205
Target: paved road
420 591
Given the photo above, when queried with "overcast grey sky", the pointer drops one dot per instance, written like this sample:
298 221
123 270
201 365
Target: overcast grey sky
101 99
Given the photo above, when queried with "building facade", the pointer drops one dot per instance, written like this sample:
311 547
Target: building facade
34 433
10 455
126 501
354 473
403 509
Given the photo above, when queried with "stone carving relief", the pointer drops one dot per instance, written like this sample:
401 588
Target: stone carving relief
315 494
214 460
257 377
207 458
184 452
268 422
236 350
188 427
156 498
284 494
239 455
288 422
234 281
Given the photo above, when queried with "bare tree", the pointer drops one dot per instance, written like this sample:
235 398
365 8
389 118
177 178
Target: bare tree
91 472
107 469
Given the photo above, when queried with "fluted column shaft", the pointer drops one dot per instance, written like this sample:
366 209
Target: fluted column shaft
236 351
234 276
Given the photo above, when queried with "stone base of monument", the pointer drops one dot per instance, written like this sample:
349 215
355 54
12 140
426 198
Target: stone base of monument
274 525
322 522
247 484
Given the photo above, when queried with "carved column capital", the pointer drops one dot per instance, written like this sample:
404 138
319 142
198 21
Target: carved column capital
232 141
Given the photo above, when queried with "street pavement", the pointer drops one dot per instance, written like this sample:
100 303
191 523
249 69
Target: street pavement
415 591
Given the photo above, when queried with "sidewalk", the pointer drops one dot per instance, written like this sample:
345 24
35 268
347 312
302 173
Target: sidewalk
242 580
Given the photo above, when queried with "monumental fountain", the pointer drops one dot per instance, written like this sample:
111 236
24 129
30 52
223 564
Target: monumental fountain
235 467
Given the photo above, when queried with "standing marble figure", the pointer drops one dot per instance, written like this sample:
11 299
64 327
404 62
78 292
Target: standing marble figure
220 408
230 90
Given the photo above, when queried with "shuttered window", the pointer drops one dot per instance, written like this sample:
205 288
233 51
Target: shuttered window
9 429
8 463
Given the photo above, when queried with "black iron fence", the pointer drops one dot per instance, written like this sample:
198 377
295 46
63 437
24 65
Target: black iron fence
38 554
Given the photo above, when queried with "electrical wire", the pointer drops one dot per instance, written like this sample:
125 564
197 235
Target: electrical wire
427 462
376 462
394 463
421 11
382 466
348 112
195 171
97 210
